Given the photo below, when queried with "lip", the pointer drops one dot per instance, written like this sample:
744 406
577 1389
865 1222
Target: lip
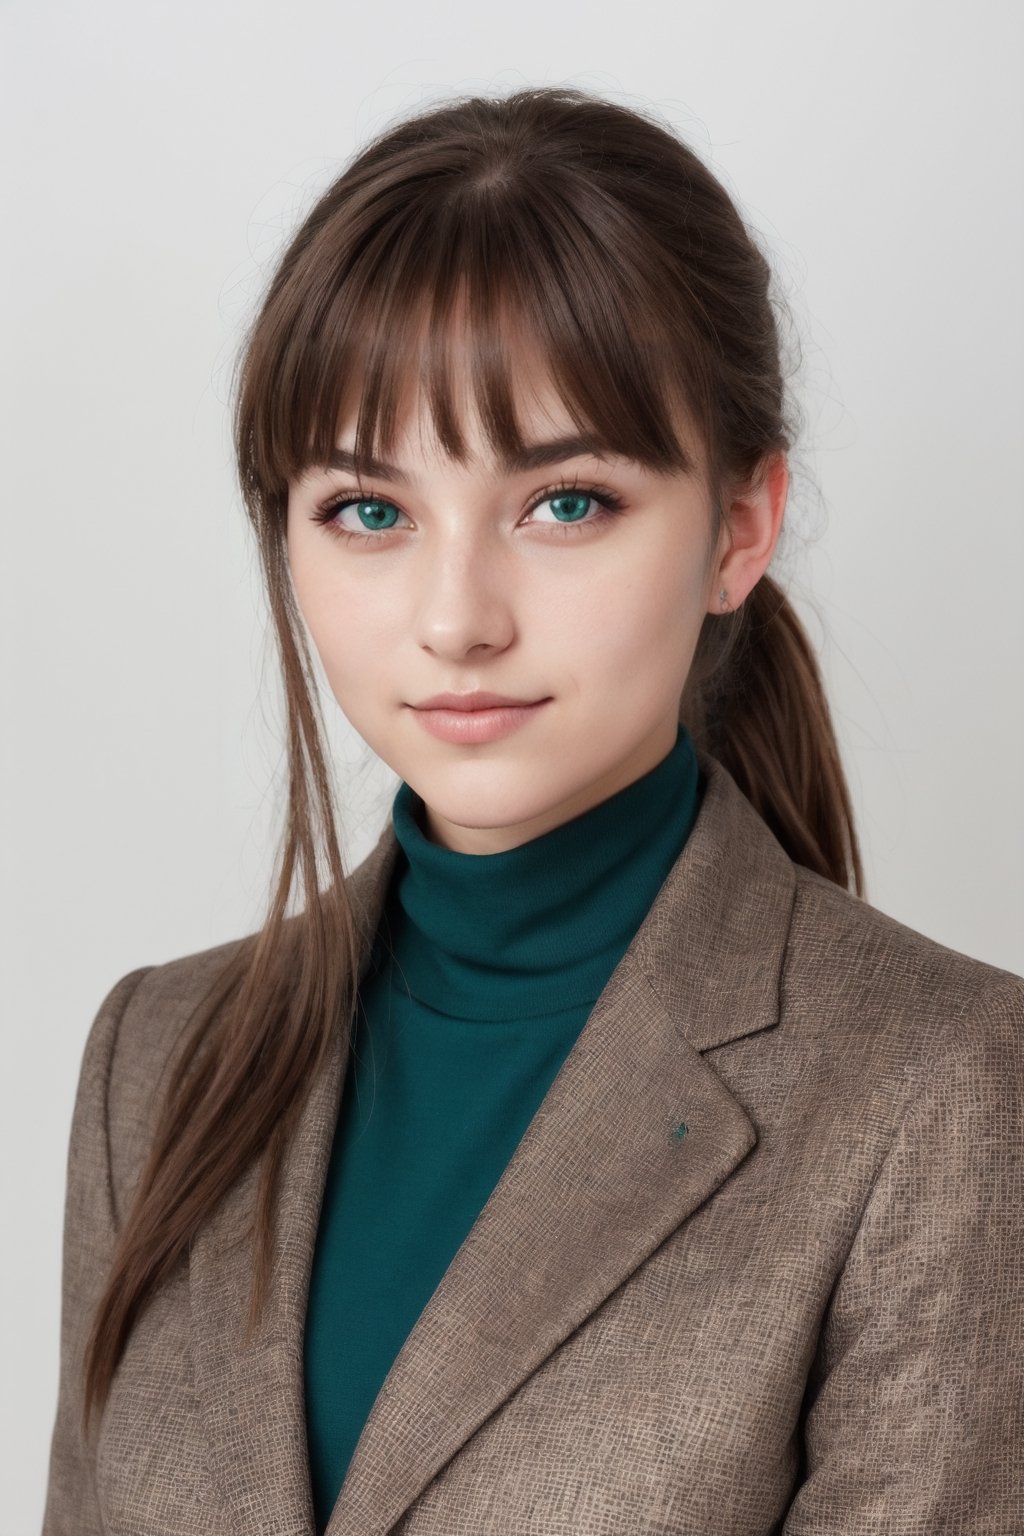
475 701
466 727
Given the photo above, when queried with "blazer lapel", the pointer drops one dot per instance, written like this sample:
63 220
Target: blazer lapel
636 1131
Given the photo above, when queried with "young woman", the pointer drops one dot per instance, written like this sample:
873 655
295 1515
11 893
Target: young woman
592 1158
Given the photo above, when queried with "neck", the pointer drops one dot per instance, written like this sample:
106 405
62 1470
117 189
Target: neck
533 928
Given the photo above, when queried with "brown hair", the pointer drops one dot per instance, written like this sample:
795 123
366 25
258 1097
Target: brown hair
592 229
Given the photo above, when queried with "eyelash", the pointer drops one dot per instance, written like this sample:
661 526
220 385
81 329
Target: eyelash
609 501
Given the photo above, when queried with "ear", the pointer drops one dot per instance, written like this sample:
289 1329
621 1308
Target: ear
750 532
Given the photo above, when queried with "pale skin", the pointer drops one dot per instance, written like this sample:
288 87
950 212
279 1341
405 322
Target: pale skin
466 588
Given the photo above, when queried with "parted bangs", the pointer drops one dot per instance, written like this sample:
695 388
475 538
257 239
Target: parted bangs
471 290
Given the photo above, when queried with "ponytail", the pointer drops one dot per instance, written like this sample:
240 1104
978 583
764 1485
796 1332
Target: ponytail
755 700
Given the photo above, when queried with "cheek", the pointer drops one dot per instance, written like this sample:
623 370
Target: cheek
327 613
640 611
348 621
355 639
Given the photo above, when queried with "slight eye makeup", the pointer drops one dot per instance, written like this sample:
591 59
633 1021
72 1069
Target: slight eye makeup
609 502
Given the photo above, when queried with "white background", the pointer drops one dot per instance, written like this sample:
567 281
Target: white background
155 157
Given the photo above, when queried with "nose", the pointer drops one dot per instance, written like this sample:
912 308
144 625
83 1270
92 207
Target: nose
464 599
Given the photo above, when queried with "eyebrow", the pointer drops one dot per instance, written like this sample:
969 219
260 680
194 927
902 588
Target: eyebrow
530 456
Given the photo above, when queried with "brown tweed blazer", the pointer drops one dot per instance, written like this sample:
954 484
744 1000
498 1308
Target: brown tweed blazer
757 1264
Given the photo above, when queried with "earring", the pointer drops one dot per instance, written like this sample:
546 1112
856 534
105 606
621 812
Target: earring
723 598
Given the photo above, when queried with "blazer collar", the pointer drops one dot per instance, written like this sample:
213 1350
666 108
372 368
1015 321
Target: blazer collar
602 1175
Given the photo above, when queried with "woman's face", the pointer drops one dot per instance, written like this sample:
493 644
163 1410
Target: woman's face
478 577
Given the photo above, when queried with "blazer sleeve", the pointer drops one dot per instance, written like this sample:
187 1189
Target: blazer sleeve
915 1420
90 1229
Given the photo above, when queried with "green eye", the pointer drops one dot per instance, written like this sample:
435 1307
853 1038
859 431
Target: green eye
569 503
375 509
574 504
378 511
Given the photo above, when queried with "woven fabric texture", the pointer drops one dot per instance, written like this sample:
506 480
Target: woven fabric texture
756 1265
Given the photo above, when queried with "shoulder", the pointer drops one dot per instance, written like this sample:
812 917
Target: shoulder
129 1052
147 1017
159 1009
854 992
895 995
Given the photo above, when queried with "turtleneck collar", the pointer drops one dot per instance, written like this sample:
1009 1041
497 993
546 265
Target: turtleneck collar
538 928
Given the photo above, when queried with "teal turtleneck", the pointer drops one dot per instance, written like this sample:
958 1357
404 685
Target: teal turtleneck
484 971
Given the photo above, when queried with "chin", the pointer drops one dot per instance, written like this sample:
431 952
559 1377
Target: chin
481 811
482 814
